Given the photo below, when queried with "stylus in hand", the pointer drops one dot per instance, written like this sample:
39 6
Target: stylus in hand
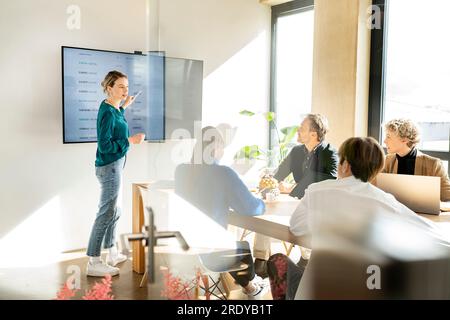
137 95
130 99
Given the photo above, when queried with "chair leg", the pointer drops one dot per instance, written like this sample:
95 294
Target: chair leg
288 250
216 286
244 234
144 279
210 290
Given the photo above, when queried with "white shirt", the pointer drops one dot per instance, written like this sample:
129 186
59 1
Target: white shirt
349 205
347 197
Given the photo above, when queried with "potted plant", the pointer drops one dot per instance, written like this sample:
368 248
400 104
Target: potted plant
273 156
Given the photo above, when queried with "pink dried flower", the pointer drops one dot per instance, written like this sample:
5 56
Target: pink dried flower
100 291
65 293
174 287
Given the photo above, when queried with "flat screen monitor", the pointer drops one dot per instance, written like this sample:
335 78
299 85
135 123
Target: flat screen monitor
183 95
83 70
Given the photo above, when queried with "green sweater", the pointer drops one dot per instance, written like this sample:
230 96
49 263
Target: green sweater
112 135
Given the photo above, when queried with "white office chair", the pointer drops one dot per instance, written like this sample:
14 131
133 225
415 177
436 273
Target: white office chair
223 262
216 246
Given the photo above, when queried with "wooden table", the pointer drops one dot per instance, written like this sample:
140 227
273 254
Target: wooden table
138 199
274 223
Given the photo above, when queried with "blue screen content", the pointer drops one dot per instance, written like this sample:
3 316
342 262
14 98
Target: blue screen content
83 72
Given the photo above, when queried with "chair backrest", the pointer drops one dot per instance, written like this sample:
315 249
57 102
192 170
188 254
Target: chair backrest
173 213
198 228
228 260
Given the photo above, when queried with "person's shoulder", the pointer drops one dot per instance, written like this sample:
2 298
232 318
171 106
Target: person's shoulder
381 195
104 106
298 149
328 149
105 109
427 157
223 169
182 169
224 173
323 185
391 156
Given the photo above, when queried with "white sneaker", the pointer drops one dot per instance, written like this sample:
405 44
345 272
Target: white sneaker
262 282
101 270
258 293
114 261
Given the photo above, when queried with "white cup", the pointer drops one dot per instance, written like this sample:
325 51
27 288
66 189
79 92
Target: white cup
270 197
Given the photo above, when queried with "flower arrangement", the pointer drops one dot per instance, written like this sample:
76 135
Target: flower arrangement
65 293
283 143
176 288
99 291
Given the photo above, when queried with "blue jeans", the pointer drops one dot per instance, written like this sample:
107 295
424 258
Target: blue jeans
110 178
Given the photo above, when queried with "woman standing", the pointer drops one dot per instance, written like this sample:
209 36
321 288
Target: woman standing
112 147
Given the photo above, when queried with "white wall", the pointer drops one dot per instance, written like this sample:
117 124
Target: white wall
232 37
48 191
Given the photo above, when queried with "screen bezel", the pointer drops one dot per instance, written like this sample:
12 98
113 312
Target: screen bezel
110 51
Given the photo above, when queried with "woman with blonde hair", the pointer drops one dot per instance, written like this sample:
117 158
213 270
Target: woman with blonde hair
402 137
112 147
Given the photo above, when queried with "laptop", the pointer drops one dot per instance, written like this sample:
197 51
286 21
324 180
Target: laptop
421 194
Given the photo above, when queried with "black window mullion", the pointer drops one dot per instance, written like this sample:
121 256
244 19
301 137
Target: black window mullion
377 79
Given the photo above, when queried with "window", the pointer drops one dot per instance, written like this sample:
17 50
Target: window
410 73
292 62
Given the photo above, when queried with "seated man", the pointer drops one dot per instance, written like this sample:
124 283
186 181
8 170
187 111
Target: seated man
312 161
360 160
402 137
214 189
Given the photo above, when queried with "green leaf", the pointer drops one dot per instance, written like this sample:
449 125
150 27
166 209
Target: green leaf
289 133
248 152
270 116
247 113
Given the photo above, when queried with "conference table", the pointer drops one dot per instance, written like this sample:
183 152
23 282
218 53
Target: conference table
274 223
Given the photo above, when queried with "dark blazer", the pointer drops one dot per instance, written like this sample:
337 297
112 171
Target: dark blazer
321 166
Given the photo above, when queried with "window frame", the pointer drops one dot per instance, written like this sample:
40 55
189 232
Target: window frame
281 10
377 81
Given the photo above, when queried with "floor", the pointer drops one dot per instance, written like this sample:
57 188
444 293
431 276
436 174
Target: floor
44 282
